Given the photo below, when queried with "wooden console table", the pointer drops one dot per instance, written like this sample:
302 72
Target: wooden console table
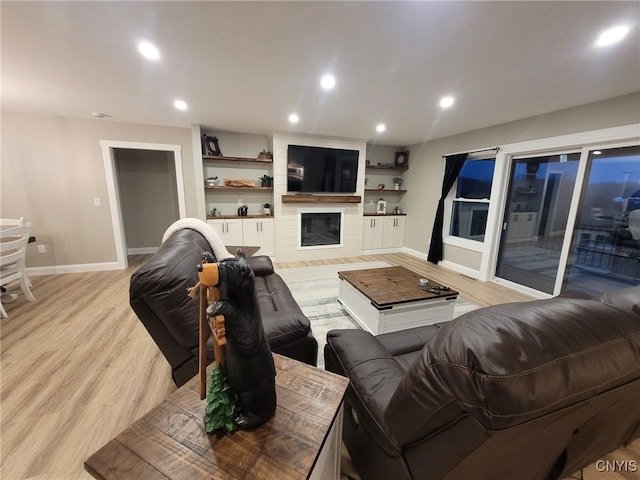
302 440
248 251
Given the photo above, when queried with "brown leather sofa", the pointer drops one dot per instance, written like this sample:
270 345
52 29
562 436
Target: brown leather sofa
158 295
534 390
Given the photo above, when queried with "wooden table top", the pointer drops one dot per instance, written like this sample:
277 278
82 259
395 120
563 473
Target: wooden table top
392 285
170 442
248 251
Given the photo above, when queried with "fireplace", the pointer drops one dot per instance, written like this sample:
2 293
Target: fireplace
320 228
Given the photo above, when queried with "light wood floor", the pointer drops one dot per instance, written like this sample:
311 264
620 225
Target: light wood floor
77 367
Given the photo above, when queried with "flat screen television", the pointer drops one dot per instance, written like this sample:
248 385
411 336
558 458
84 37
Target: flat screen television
319 169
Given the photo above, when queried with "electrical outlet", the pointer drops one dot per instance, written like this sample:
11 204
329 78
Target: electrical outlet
371 202
42 249
240 202
97 202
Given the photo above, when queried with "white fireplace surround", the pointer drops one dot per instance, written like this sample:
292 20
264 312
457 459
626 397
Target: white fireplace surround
316 211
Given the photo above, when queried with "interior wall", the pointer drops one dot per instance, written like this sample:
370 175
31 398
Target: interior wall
148 195
53 169
426 166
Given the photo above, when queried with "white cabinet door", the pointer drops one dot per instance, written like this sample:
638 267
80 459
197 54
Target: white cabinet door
260 233
251 232
393 234
267 237
372 230
233 235
229 231
218 226
521 225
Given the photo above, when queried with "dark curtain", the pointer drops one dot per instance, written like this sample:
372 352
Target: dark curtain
453 165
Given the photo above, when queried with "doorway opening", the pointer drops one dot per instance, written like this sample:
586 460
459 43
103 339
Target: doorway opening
126 163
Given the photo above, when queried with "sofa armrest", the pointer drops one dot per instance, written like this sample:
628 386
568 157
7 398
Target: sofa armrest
407 341
625 299
282 327
261 265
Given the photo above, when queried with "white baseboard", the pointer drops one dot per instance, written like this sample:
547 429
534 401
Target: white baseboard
376 251
142 250
78 268
414 253
469 272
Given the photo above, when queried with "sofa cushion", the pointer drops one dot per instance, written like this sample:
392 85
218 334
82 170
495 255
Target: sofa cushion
507 364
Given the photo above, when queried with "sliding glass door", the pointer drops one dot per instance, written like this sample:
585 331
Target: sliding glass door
535 219
605 244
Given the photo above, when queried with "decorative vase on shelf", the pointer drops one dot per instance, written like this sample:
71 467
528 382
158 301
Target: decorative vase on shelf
396 186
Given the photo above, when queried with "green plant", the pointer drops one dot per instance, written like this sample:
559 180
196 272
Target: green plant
266 205
214 212
397 180
266 178
221 402
212 178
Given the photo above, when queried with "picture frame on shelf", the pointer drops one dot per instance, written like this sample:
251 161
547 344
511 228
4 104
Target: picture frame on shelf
402 159
382 207
211 145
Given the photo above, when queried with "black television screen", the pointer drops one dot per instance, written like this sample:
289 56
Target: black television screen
318 169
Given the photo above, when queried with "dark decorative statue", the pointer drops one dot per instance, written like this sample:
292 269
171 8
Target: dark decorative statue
247 356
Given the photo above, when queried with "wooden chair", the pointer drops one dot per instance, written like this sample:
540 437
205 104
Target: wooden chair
6 224
13 248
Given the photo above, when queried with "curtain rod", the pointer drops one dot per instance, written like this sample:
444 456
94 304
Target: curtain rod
473 151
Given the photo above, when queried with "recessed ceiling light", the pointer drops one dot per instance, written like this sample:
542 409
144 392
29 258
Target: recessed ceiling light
293 118
380 128
180 104
148 50
328 82
446 102
613 35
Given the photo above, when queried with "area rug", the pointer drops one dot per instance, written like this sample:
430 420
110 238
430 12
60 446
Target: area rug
316 291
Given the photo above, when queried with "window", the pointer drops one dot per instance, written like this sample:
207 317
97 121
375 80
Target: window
470 199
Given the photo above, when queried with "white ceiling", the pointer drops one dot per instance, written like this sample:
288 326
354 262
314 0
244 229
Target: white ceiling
244 66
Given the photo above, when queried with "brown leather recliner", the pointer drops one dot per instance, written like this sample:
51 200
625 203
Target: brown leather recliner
158 295
534 390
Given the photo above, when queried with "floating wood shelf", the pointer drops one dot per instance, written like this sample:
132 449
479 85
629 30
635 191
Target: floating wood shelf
236 159
232 217
321 199
369 190
387 167
383 214
223 187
